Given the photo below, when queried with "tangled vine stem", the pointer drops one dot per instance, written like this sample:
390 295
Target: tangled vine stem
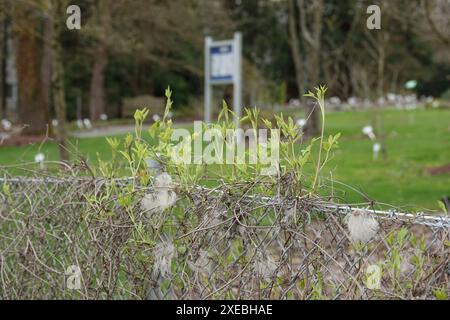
226 242
160 235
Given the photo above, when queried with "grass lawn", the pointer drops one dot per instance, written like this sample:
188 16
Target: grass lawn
415 140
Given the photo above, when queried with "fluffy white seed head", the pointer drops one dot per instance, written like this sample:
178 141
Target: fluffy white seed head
162 197
158 201
203 264
264 266
362 227
214 217
163 181
163 254
289 215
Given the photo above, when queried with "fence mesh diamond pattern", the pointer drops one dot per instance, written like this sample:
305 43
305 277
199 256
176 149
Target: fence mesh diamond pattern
73 238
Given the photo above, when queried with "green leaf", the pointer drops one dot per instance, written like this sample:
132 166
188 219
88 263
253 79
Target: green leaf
440 294
5 189
113 142
402 235
442 206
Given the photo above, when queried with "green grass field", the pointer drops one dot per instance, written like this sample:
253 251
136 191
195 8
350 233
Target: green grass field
415 140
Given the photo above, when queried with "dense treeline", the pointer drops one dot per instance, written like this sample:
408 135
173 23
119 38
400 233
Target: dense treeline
129 48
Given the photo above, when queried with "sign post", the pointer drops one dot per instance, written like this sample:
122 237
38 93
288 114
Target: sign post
223 60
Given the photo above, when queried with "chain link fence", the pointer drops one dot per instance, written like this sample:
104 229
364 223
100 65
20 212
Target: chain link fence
66 238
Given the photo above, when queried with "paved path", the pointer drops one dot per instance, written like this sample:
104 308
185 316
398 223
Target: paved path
103 131
114 130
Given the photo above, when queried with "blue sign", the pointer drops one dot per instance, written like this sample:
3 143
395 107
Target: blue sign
222 63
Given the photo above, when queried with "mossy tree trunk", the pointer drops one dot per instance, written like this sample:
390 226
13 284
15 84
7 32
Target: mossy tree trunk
56 9
33 112
305 30
97 88
97 92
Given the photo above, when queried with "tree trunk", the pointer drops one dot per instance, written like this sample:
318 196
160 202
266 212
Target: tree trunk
46 69
97 90
313 125
381 64
97 95
58 80
4 57
380 92
296 53
33 112
312 41
434 28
